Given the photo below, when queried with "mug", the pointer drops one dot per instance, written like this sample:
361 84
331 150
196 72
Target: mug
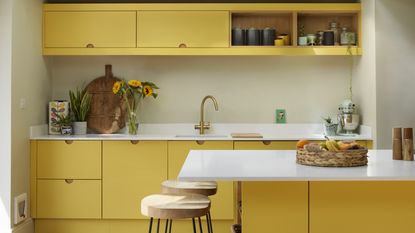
286 38
279 42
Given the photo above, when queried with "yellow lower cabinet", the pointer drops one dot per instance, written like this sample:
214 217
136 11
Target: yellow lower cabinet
270 207
223 201
61 199
362 207
131 170
265 145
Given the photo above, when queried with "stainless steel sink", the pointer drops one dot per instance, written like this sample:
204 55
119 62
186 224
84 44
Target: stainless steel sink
201 136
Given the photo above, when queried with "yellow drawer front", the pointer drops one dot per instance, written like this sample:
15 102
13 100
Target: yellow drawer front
131 172
265 145
270 207
107 29
191 28
223 201
362 207
72 160
80 199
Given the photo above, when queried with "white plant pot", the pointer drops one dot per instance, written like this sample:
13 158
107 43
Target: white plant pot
79 127
302 40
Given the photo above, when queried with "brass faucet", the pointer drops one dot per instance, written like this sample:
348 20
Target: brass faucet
202 124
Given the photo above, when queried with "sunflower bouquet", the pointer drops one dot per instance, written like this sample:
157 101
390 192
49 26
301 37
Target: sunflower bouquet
132 92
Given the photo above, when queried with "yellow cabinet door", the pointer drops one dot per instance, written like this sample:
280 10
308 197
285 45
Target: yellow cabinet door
270 207
98 29
362 207
265 145
69 159
222 202
131 172
197 29
62 199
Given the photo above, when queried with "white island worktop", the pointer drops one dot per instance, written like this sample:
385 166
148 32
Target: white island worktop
273 165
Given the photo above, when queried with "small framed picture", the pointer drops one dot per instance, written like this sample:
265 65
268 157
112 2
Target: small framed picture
281 116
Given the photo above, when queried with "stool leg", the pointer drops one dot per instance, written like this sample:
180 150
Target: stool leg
158 225
167 225
207 223
194 225
151 224
171 223
200 225
210 222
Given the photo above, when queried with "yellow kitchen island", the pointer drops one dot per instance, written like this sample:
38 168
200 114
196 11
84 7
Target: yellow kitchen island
279 195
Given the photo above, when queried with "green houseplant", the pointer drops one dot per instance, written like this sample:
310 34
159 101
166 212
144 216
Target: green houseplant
80 103
65 124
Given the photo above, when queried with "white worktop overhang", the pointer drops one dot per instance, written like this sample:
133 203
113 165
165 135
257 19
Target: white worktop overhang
280 165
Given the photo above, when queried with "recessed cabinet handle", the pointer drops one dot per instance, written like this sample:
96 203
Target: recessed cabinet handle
69 181
90 46
134 142
69 142
266 142
200 142
182 45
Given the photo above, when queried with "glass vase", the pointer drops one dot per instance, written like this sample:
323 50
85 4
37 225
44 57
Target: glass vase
132 123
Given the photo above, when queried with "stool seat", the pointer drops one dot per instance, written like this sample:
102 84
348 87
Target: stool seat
175 206
207 188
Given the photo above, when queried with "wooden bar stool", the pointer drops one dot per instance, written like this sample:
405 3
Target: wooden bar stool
175 206
207 188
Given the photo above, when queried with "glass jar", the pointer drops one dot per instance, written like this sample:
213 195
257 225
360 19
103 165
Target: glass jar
333 27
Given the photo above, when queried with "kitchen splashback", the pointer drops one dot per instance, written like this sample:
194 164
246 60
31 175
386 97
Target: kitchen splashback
248 89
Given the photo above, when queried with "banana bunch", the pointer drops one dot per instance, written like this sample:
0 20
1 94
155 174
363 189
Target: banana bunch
332 145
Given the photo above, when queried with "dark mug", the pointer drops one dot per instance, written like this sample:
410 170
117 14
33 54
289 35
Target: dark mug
328 38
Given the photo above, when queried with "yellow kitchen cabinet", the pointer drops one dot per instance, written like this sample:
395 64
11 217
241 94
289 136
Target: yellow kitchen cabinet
270 207
223 201
89 29
191 29
131 170
265 145
62 199
362 207
69 159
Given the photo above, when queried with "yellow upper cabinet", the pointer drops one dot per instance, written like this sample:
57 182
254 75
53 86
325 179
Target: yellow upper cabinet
174 29
89 29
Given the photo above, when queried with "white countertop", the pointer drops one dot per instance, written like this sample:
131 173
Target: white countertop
262 165
176 132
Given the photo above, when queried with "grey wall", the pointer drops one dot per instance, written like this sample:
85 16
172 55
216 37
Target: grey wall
395 67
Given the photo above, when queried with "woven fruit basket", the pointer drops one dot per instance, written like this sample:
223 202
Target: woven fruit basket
346 158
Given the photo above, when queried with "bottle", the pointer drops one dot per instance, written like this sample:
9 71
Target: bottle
333 27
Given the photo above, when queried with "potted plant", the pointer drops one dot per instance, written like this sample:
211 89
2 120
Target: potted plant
132 92
330 128
302 38
80 103
65 124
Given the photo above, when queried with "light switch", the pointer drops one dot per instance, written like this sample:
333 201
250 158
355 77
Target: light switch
22 104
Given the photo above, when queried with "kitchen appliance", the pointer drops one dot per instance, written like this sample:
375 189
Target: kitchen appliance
348 118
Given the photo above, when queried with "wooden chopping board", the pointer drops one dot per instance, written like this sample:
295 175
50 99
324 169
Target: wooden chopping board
246 135
107 114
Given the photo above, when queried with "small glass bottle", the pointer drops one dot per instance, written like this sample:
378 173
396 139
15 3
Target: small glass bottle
344 40
333 27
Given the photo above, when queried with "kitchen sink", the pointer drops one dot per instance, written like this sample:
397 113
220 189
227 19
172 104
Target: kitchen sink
201 136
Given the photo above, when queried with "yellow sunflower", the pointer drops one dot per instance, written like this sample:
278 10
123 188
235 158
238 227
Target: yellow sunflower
147 90
134 83
116 88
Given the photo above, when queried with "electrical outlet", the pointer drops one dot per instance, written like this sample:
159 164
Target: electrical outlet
22 103
20 208
280 116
